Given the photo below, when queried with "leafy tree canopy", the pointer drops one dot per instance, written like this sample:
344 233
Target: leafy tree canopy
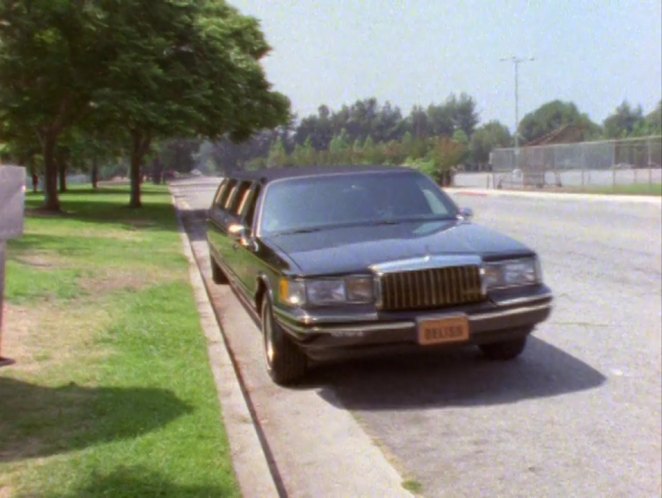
149 69
623 121
487 137
553 115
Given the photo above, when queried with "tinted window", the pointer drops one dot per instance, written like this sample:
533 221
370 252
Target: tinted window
227 195
239 198
222 188
330 200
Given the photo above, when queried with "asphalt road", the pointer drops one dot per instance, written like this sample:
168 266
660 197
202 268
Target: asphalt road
578 414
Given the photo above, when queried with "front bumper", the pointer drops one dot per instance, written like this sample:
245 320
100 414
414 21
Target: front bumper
504 316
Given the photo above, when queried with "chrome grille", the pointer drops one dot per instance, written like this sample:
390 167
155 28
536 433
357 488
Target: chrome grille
430 288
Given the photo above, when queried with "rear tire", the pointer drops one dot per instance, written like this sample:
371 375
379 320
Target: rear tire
504 350
217 274
286 363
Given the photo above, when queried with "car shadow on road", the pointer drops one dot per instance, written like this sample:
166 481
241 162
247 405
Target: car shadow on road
458 378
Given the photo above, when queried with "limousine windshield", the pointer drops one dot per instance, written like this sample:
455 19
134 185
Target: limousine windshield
308 203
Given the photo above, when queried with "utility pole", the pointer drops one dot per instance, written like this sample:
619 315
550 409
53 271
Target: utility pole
516 62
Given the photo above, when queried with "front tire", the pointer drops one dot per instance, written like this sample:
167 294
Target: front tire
504 350
286 363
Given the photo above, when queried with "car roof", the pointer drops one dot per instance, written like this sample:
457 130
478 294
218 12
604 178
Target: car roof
271 174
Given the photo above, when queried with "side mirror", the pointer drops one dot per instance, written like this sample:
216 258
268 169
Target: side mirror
237 231
466 214
241 233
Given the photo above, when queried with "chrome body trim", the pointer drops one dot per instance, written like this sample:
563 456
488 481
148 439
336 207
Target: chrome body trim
306 318
304 325
349 330
428 262
524 300
510 312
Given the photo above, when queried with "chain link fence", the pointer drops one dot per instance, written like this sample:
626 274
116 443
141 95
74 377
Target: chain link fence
584 164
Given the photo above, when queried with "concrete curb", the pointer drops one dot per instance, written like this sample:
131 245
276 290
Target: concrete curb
563 196
248 458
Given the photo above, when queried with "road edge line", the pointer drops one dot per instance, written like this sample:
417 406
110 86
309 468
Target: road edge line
249 460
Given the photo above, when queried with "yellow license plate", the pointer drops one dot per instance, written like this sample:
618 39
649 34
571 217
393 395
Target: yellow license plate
443 330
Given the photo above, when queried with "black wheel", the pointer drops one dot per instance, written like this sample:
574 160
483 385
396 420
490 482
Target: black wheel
217 274
504 350
286 363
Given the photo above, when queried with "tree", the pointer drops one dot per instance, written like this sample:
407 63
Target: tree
179 68
419 123
654 121
277 155
173 155
487 137
456 113
184 69
440 120
445 154
339 148
624 121
49 60
463 111
552 116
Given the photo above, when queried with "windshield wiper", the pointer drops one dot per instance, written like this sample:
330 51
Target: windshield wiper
421 219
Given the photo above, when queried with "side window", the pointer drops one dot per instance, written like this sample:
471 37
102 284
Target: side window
249 213
239 198
229 194
244 195
222 188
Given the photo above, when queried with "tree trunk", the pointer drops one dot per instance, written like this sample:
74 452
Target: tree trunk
62 174
95 173
139 147
51 201
33 177
135 179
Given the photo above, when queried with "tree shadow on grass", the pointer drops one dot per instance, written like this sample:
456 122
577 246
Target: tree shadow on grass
157 216
130 482
38 421
109 206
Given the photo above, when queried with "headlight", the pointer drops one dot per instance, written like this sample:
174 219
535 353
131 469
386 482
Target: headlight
512 273
326 291
360 289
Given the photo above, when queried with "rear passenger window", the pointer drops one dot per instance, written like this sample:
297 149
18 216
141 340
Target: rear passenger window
245 195
222 189
239 198
227 199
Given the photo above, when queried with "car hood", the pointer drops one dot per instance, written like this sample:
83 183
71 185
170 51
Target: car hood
353 249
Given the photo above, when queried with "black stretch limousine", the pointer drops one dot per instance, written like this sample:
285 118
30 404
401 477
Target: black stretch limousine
336 260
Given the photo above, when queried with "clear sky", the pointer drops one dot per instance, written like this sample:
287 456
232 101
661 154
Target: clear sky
595 53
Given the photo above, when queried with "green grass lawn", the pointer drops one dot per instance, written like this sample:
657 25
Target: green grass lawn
111 394
633 189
